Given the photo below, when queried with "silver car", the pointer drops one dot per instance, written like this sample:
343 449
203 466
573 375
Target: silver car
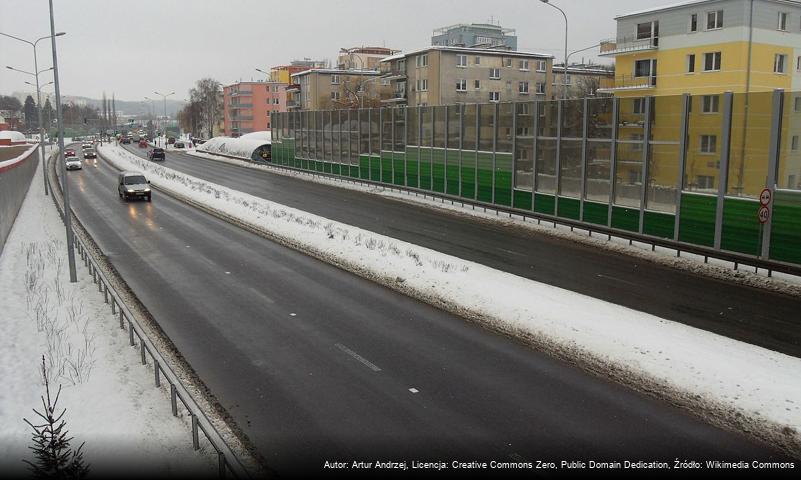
133 185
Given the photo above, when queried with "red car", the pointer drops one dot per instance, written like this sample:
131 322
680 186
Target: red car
142 143
69 153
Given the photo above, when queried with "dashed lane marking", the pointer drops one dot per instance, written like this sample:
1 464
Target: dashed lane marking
367 363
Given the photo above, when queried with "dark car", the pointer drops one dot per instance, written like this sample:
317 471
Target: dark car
69 152
171 140
89 154
133 185
156 154
143 143
125 140
179 145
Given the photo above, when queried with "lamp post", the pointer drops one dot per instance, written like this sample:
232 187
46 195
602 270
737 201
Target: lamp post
65 185
564 87
38 93
164 97
363 92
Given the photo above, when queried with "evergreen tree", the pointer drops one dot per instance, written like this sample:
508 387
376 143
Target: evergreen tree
47 114
53 456
31 114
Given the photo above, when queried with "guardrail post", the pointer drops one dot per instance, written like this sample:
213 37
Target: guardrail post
725 148
113 306
131 333
684 132
773 167
105 293
174 399
122 319
142 351
195 439
157 378
221 463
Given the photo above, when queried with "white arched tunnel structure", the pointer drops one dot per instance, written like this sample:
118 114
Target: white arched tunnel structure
253 146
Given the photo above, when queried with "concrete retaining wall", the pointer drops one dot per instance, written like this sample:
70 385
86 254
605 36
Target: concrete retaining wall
15 179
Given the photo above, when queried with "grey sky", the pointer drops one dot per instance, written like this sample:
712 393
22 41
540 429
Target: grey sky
133 48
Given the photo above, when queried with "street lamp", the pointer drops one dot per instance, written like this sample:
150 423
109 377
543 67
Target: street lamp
564 87
164 97
38 93
363 92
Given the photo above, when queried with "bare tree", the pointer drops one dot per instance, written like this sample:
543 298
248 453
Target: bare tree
207 94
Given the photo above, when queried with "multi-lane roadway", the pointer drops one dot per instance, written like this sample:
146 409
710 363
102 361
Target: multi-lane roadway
315 364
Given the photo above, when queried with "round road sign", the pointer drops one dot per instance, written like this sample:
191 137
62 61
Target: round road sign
763 214
765 196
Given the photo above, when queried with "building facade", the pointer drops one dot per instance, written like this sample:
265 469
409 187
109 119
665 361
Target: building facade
283 73
451 75
247 106
363 58
583 80
333 89
475 35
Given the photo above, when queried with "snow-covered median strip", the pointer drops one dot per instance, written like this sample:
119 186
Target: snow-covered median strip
730 381
111 402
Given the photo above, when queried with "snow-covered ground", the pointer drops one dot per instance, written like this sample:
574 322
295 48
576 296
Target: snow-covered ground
111 401
732 382
721 269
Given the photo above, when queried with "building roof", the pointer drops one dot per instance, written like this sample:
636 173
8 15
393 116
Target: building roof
483 51
487 26
336 71
688 3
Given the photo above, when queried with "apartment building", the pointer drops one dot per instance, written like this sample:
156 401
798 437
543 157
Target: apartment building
247 106
333 89
706 48
363 58
440 75
583 80
475 35
283 73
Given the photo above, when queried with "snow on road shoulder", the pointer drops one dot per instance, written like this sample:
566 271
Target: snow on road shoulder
111 402
696 264
753 385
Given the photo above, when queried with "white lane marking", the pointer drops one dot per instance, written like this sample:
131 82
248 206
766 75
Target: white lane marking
293 314
227 273
509 251
615 279
367 363
414 390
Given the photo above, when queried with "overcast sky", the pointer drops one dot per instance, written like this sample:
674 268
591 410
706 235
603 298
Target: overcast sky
133 48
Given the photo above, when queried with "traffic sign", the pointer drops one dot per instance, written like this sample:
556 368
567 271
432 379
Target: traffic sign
763 214
765 197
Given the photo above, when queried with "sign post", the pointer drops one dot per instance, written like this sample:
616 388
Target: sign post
763 214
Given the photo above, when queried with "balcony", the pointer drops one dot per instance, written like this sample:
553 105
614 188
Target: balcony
240 105
630 82
241 118
394 75
293 88
292 105
397 97
617 46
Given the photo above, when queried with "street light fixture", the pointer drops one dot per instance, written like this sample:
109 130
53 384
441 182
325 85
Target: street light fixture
564 87
38 92
164 97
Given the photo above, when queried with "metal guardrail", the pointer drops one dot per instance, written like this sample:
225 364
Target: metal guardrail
227 460
736 258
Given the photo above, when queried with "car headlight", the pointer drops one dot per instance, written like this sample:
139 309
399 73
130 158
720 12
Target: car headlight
130 190
147 189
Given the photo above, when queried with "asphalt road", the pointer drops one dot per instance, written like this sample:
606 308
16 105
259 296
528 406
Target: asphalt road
756 316
317 364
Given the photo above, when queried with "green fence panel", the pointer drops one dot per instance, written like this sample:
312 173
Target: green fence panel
597 213
785 236
399 160
697 224
522 199
328 167
411 166
375 168
741 232
468 173
354 171
438 158
569 208
452 157
425 168
658 224
364 166
544 203
503 179
386 165
485 176
625 218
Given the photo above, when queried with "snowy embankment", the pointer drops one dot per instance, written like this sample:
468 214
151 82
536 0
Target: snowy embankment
111 402
730 382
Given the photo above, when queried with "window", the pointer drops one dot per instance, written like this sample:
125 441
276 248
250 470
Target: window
461 61
334 95
422 60
798 64
642 68
693 23
422 85
709 143
639 106
477 84
508 85
711 103
797 104
335 79
691 63
782 21
507 62
461 85
477 61
714 20
494 96
495 74
540 88
567 80
524 108
523 65
541 65
712 62
647 30
706 182
779 63
794 143
522 88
